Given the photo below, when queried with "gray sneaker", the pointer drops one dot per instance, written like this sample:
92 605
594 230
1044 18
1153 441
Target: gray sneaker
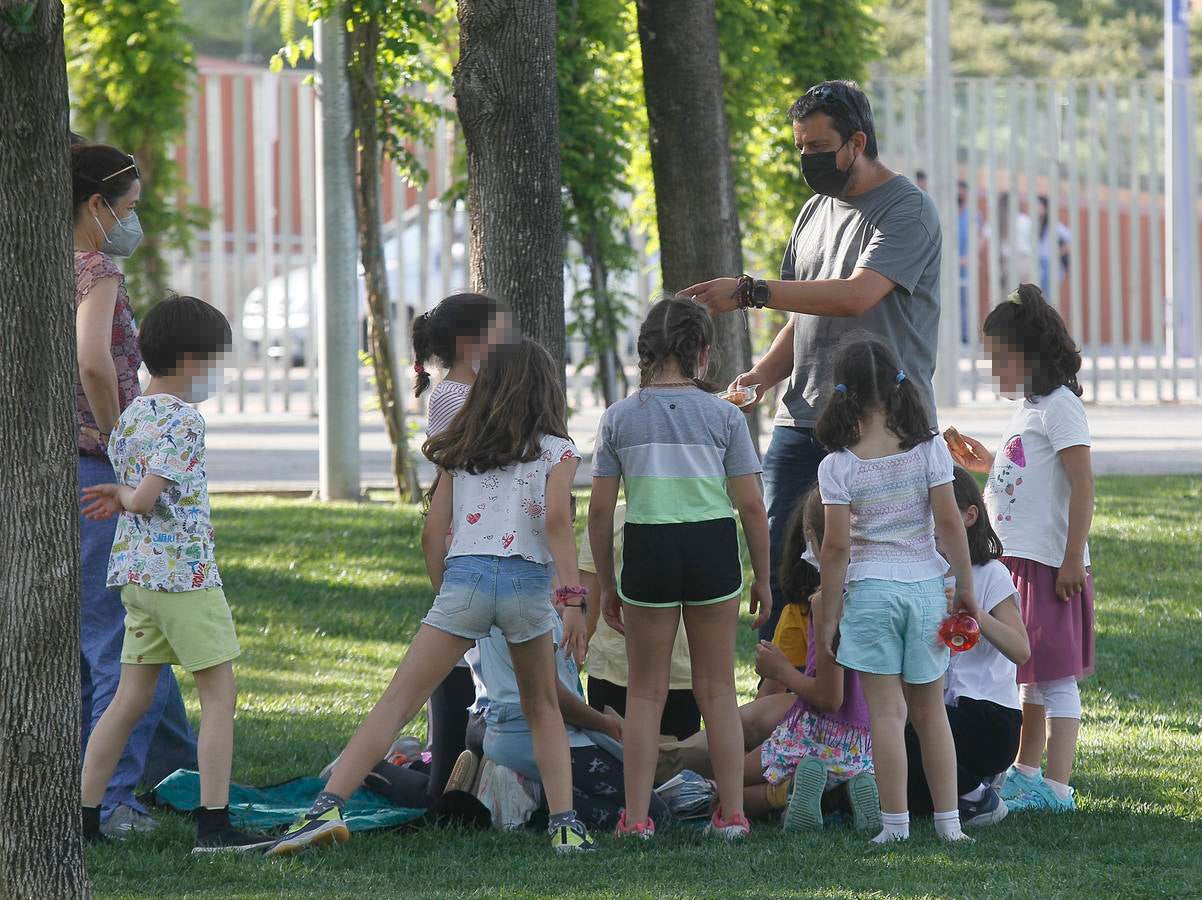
125 821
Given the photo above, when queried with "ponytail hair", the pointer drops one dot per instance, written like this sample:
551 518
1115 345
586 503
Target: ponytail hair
436 333
799 579
867 377
1027 324
676 328
983 542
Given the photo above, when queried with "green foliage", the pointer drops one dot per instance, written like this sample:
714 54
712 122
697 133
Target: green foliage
600 114
407 54
1029 38
772 52
131 67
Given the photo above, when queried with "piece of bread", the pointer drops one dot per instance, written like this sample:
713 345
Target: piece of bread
956 443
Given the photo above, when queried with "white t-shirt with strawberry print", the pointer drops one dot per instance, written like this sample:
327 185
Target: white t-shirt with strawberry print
504 512
1028 491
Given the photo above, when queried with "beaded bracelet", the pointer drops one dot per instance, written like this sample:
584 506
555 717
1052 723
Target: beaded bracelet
564 593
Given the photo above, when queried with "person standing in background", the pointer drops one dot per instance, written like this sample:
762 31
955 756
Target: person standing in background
106 186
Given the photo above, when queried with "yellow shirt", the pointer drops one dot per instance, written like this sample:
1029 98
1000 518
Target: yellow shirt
791 635
607 650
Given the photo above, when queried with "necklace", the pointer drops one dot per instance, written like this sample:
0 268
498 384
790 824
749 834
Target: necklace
672 384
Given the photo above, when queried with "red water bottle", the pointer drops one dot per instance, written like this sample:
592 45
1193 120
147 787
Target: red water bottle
960 632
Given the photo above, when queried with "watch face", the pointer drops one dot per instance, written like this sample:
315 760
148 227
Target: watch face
760 294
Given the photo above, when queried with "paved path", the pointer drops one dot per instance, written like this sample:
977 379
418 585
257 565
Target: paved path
278 451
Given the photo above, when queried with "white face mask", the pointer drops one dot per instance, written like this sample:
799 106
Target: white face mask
206 386
809 557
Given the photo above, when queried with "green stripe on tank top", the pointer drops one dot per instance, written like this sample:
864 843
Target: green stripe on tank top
667 501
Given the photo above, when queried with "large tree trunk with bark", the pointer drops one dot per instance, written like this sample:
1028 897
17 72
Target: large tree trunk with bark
365 41
508 105
690 159
40 852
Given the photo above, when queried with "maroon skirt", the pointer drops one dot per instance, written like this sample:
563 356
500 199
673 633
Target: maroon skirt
1060 631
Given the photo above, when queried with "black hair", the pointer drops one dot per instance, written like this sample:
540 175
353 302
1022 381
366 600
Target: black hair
1027 324
798 579
436 332
177 325
867 377
675 328
100 169
848 108
983 542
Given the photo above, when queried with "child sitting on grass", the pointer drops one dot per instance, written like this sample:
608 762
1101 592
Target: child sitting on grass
163 563
824 741
798 573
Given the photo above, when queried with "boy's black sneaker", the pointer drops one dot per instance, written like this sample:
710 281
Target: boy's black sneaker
230 840
91 826
989 810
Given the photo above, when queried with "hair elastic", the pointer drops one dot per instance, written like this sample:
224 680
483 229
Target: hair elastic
840 389
419 369
901 376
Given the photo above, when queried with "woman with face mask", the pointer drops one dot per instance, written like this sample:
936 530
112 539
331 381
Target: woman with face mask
106 187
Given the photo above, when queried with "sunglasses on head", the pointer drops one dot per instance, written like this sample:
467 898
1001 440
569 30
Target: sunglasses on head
826 93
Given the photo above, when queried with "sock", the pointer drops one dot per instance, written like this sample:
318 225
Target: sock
210 821
1029 771
91 821
324 802
1061 790
947 825
976 794
777 795
897 827
559 820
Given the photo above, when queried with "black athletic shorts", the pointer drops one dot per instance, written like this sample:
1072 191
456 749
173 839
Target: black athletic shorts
682 564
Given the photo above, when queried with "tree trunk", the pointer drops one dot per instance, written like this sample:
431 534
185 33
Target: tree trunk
40 852
508 105
605 326
690 161
361 74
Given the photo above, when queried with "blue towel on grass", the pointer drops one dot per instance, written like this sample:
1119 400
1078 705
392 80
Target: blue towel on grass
266 808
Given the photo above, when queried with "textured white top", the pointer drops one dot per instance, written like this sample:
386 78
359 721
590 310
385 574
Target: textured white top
446 400
892 529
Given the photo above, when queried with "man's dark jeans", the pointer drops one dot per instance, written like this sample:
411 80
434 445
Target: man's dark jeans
790 468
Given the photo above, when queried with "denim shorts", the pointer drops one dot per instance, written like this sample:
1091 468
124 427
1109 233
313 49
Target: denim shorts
892 628
479 592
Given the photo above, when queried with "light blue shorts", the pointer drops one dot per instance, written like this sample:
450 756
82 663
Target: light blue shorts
892 628
481 591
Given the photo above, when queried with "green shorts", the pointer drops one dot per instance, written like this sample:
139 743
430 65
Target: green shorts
892 628
193 629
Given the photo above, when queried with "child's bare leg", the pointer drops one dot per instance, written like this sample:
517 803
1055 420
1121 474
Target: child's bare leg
215 744
761 716
887 717
1062 748
928 715
431 656
1033 736
711 633
534 667
649 636
134 693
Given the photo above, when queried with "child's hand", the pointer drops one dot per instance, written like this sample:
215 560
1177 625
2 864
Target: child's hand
771 662
614 726
828 637
970 453
966 601
1070 580
611 609
575 634
105 502
761 599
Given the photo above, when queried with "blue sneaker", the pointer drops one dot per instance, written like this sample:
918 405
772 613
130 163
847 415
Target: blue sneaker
1043 797
1017 784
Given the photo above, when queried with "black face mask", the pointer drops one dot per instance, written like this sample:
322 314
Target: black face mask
822 172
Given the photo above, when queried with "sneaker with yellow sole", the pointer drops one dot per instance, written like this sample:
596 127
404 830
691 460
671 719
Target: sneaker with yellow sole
312 831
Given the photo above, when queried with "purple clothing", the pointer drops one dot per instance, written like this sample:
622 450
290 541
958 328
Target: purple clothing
854 710
1061 632
92 266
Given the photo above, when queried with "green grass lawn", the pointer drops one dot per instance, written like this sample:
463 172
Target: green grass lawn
327 597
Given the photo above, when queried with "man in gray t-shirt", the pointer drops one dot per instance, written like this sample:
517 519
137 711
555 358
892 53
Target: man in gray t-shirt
864 255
